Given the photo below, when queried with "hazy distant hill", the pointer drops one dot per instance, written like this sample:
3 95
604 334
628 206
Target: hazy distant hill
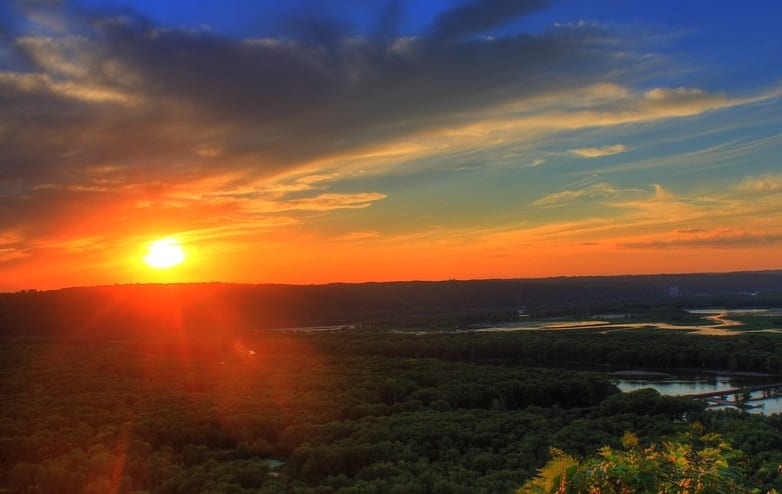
112 309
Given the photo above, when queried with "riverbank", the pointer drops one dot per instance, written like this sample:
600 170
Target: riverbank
721 325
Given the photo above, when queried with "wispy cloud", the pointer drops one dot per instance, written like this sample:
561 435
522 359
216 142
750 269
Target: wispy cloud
719 238
765 184
727 153
654 217
328 202
597 152
358 236
594 191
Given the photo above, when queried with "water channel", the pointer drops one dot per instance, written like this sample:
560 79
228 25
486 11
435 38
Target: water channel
680 385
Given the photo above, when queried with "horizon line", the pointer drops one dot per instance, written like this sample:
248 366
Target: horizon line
390 282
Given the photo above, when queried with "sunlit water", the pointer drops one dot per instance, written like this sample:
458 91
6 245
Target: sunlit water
765 312
685 385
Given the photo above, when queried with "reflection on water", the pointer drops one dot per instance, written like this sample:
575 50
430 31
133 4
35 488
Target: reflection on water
765 312
678 386
767 405
685 385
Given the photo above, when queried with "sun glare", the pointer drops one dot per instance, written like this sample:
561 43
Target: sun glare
164 254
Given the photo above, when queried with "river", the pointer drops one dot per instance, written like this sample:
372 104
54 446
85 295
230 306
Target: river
681 385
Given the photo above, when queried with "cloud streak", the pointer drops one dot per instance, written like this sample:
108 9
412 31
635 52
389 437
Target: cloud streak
592 192
762 185
481 15
724 238
598 152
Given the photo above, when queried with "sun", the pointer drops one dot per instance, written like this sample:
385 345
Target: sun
165 253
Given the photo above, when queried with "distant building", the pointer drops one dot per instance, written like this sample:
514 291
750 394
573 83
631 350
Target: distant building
674 292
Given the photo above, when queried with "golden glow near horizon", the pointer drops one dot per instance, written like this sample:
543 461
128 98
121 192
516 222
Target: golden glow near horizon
165 253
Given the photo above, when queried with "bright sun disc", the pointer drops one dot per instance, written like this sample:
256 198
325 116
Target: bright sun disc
164 254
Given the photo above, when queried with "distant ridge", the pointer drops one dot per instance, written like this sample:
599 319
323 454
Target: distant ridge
213 305
731 275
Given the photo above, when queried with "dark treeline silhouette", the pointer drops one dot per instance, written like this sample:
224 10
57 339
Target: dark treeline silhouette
114 310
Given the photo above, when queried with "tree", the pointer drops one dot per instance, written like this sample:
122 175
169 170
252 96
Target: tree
691 463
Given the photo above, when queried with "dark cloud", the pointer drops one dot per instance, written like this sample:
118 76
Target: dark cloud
324 31
112 89
390 20
481 15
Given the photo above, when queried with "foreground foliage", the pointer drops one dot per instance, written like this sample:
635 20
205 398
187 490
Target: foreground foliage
690 463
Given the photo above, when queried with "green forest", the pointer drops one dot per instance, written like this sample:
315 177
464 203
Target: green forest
370 411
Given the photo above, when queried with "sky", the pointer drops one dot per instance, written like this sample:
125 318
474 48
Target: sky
359 140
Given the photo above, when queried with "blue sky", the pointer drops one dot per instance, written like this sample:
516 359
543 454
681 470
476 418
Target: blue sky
360 140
